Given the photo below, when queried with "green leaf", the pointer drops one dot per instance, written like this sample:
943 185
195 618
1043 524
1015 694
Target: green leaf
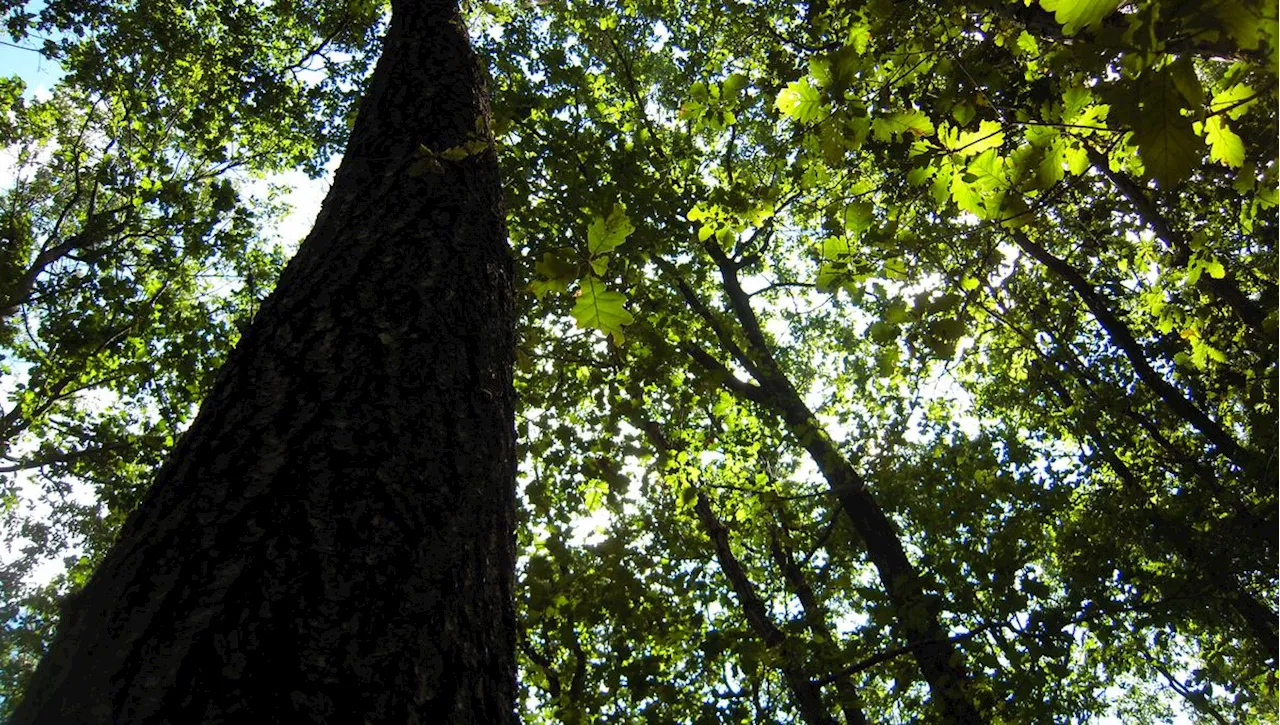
965 195
970 143
1074 100
1050 169
1200 265
555 272
1224 145
912 122
1077 159
801 101
606 233
474 147
980 190
601 309
887 360
1028 44
1249 25
1014 211
858 217
733 85
882 332
1076 14
1233 101
1187 82
897 312
593 495
688 496
894 269
835 248
1167 142
820 71
860 37
831 276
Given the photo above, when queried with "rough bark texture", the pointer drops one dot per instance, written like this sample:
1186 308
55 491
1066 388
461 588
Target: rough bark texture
332 541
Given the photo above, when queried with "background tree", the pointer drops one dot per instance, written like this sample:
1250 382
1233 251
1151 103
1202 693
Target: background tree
915 228
342 509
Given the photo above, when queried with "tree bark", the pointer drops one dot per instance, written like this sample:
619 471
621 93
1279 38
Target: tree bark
332 541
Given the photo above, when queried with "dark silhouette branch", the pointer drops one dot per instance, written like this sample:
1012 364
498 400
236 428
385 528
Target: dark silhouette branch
1123 338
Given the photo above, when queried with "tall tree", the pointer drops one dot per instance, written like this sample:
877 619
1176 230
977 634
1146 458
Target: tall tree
332 539
1069 500
135 244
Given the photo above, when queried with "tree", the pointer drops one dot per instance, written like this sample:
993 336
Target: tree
900 235
332 538
890 362
135 249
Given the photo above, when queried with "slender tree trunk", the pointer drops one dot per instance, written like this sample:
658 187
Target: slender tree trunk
806 695
332 540
918 614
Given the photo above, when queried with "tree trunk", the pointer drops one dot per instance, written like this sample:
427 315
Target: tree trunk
332 541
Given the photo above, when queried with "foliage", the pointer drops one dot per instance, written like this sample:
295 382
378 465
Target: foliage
851 337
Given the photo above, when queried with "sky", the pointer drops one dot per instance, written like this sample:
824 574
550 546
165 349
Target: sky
28 64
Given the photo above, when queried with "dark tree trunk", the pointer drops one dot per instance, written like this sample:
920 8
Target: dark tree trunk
332 541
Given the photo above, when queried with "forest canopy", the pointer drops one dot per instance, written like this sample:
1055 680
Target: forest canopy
879 361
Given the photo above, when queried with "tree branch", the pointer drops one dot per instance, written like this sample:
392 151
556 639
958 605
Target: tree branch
808 696
1224 289
1124 339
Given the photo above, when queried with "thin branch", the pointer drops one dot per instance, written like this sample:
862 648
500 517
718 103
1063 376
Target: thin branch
1197 699
1123 338
717 326
808 696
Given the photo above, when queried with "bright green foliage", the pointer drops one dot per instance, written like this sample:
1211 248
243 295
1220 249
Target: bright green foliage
1233 101
1077 14
1057 492
902 124
800 101
606 233
1018 262
1224 145
601 309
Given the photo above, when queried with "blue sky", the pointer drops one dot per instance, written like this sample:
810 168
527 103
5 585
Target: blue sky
28 64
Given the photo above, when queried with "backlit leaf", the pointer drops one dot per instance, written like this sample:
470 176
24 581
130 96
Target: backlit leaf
606 233
901 123
1077 14
601 309
1224 145
801 101
1233 101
